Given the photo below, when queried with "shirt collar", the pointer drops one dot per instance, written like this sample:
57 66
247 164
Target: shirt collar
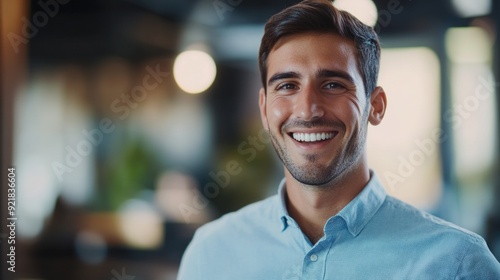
356 214
363 207
283 212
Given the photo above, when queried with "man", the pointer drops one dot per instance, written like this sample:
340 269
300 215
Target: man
332 218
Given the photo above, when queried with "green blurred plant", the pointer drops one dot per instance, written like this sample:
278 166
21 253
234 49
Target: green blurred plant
126 175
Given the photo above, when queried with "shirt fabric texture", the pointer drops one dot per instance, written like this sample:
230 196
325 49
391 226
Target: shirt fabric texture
375 236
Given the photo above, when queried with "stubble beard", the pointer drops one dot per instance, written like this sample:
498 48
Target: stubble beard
325 176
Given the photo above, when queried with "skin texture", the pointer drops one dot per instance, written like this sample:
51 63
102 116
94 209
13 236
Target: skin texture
315 86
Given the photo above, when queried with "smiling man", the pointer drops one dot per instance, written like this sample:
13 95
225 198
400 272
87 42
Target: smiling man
331 218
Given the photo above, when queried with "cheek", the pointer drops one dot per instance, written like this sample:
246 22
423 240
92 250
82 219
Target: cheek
278 110
349 110
355 104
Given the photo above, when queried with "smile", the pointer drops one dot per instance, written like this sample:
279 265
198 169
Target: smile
312 137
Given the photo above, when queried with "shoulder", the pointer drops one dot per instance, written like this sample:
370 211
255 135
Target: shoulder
246 221
463 251
432 243
412 219
222 240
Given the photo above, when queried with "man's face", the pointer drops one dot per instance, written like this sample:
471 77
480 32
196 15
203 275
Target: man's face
315 109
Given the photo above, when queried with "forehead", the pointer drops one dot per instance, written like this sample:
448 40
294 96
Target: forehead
313 51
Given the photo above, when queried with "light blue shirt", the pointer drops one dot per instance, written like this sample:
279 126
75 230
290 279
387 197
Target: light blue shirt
375 236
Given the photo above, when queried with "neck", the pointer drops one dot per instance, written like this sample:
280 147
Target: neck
312 206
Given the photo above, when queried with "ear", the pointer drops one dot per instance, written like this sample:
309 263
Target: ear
262 107
378 105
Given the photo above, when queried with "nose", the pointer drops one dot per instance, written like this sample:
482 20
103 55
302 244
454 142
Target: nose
308 104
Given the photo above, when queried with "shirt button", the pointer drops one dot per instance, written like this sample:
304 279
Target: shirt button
313 258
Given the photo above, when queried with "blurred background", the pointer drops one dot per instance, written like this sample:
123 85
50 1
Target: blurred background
130 123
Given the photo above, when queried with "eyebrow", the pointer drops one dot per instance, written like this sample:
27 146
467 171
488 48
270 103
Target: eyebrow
282 75
321 73
326 73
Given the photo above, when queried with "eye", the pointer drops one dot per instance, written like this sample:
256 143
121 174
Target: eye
333 85
286 86
334 88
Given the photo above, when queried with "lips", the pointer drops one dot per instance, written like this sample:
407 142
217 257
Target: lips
312 137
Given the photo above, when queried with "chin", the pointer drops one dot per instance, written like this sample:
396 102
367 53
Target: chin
311 176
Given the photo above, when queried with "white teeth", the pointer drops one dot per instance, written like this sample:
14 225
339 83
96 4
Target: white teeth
312 137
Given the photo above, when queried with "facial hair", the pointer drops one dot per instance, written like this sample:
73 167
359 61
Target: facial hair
312 173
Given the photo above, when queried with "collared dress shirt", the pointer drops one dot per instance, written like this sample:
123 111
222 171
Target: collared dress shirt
375 236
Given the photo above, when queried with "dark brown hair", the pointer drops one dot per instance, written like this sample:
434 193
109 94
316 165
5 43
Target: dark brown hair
321 16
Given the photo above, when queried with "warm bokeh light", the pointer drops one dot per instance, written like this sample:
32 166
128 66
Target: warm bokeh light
473 93
364 10
468 45
194 71
141 225
175 195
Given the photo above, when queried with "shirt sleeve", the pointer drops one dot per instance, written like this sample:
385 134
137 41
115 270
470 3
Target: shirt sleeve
478 263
